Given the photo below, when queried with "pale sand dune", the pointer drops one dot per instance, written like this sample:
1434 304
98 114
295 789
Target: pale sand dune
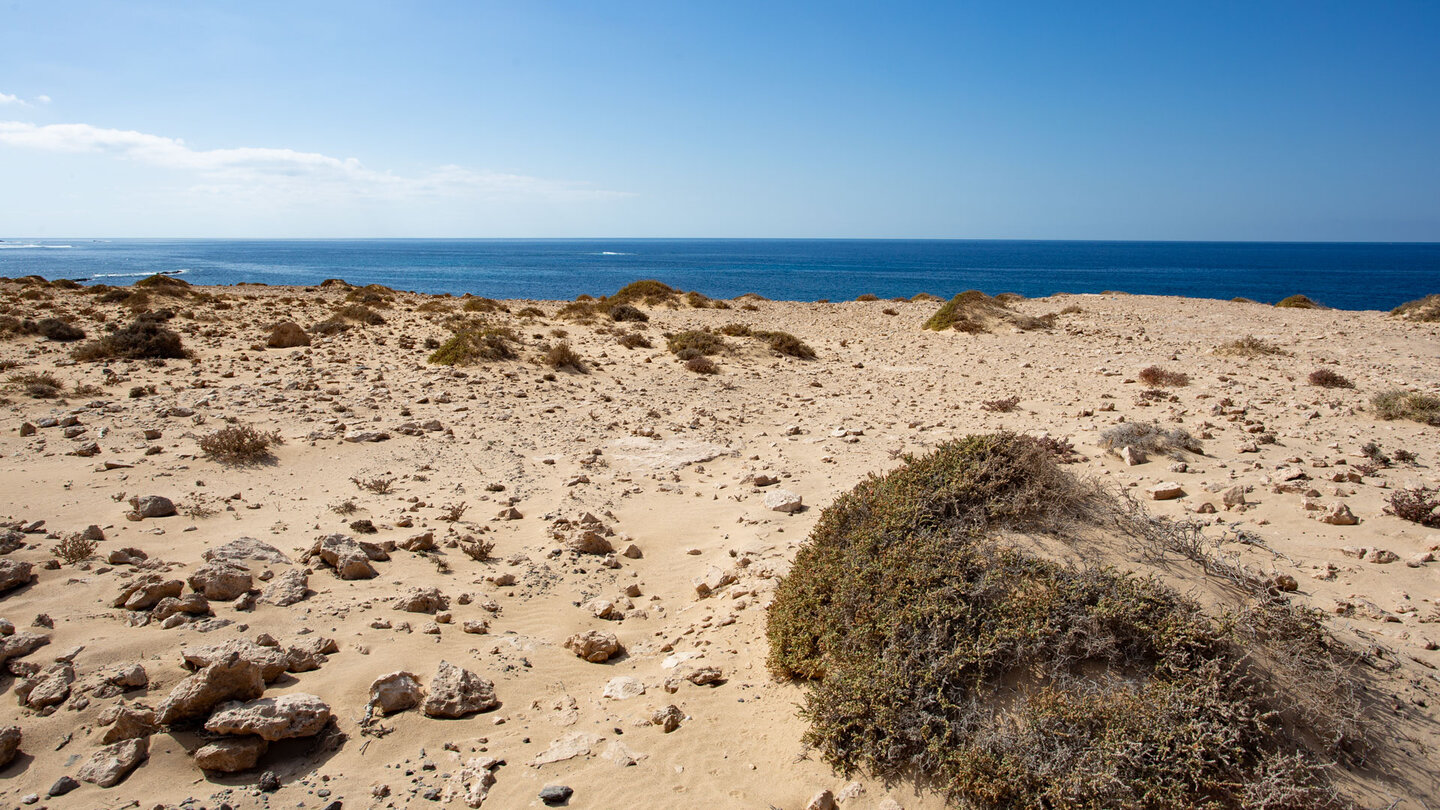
675 449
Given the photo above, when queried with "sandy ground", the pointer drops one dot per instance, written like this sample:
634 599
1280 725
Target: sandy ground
664 458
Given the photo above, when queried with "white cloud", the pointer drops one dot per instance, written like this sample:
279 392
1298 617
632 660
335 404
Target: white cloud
43 99
263 170
6 98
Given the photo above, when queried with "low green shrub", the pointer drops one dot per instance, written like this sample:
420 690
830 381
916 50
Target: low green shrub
939 654
695 340
145 338
1398 404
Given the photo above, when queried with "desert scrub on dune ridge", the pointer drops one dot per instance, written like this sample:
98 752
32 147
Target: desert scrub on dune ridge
693 343
38 384
471 345
562 356
1329 378
1299 302
145 338
1398 404
1163 378
939 654
1249 346
1424 310
239 444
287 335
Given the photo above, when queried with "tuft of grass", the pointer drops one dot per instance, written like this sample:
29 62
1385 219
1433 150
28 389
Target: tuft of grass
287 335
1399 404
59 331
476 344
867 297
358 313
74 549
164 285
1005 405
1148 437
562 355
144 339
39 384
1417 505
482 305
1299 302
1158 377
240 444
634 340
626 312
377 485
960 311
647 291
702 365
937 653
1328 378
1249 346
786 344
694 342
1424 310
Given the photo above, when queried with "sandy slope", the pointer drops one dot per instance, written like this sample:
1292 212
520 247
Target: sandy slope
674 452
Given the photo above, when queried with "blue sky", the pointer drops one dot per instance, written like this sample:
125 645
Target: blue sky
1111 120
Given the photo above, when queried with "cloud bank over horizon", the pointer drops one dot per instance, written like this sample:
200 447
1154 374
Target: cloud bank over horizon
288 171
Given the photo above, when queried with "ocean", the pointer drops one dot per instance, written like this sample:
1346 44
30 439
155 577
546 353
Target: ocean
1340 275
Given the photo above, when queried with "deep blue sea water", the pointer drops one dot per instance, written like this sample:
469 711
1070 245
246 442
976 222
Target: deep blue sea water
1342 275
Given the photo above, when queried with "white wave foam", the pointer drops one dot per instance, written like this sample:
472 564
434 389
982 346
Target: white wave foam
13 246
611 253
179 272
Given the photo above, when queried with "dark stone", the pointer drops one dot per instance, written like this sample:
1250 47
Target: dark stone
62 786
555 794
269 782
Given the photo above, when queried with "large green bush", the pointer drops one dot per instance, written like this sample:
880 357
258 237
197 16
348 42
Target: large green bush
938 653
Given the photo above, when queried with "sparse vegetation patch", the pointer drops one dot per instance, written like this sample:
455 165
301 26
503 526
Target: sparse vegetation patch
1398 404
240 444
938 654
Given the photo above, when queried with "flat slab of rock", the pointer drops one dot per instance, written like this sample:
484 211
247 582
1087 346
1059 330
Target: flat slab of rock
231 754
272 661
231 678
663 454
1166 491
624 688
221 580
578 744
783 500
246 548
110 765
457 692
287 589
298 714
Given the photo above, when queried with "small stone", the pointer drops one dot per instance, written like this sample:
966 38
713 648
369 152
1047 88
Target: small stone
1166 491
595 646
395 692
824 800
110 765
62 786
222 581
1339 514
555 794
10 738
297 714
152 506
624 688
668 718
1132 457
783 500
231 754
458 692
